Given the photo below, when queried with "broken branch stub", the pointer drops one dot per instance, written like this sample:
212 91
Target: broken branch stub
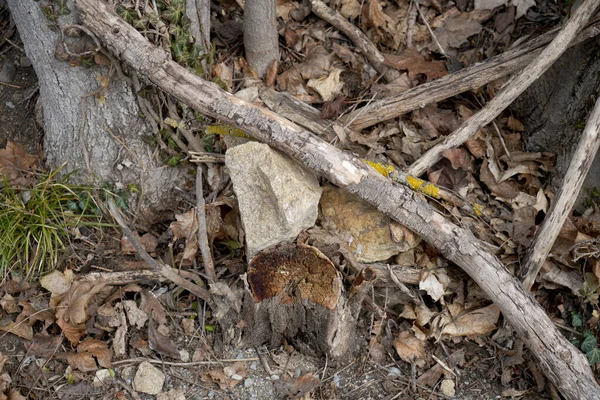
296 293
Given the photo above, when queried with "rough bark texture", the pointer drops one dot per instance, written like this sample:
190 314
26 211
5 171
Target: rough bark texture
554 115
61 90
562 204
260 34
562 363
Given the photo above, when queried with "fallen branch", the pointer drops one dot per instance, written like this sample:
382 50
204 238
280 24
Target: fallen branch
562 363
564 201
466 79
357 37
207 259
164 270
514 88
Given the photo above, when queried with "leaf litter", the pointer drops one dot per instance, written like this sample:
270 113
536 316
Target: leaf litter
439 333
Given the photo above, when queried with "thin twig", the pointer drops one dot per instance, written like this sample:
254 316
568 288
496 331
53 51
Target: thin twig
560 209
207 259
165 270
437 42
517 86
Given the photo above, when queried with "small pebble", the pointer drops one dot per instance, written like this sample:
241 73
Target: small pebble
336 380
254 365
394 372
274 377
10 104
236 377
249 382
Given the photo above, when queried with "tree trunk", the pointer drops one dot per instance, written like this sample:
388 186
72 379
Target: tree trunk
260 34
554 114
105 145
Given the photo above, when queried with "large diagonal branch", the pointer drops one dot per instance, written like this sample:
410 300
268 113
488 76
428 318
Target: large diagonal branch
564 365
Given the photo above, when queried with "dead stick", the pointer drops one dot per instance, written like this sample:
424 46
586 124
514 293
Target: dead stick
470 78
357 37
207 259
164 270
562 363
516 86
563 203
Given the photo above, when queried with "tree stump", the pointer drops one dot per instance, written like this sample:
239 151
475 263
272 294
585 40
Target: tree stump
294 292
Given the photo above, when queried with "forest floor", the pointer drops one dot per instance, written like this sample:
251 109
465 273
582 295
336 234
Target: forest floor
458 344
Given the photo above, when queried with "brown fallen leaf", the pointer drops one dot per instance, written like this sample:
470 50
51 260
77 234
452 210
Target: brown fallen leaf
161 343
186 227
88 352
15 163
414 62
409 347
480 321
298 387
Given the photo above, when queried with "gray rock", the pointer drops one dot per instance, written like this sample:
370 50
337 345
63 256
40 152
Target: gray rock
277 197
148 379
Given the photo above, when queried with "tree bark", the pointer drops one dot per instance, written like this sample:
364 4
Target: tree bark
106 146
562 363
260 34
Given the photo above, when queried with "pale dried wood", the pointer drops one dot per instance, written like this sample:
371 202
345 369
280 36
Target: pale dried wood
207 258
563 364
376 59
288 106
513 89
164 270
563 203
469 78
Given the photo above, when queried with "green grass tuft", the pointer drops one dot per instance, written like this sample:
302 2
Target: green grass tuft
35 223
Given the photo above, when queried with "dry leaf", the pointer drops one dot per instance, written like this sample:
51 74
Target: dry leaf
514 124
272 74
88 352
21 329
151 305
186 227
455 31
327 86
161 343
476 322
58 282
224 73
9 304
432 286
409 348
298 387
385 30
15 162
412 61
